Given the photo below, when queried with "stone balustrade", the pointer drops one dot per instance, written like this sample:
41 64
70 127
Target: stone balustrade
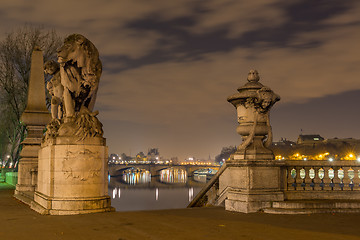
314 179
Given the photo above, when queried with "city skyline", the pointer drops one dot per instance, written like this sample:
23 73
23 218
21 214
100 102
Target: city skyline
168 66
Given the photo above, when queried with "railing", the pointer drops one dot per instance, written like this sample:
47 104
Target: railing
320 179
205 196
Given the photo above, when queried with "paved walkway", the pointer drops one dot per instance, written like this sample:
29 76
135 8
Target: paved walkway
18 221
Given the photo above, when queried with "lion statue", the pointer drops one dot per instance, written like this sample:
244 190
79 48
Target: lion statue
80 71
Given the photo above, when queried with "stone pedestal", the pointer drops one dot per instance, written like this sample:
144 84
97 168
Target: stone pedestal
72 177
29 160
250 185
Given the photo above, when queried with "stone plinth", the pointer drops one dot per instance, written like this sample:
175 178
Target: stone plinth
72 177
251 185
29 160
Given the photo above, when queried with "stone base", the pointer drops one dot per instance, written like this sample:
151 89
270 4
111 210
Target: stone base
314 206
70 206
28 163
250 185
24 196
253 201
27 173
24 188
72 178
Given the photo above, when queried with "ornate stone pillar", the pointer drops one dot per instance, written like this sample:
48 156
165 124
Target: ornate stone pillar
35 117
251 180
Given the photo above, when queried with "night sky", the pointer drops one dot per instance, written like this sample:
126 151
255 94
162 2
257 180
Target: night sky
169 65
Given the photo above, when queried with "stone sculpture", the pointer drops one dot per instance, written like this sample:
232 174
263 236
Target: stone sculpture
79 73
253 102
72 175
55 88
250 180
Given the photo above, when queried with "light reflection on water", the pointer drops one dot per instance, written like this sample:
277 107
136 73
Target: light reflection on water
134 177
137 190
151 199
141 176
172 175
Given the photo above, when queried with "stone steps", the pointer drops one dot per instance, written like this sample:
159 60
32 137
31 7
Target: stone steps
314 206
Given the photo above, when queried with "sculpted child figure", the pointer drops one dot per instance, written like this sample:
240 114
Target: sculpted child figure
55 88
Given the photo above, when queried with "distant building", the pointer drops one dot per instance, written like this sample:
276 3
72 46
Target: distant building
283 147
113 158
140 157
284 143
153 155
175 160
311 139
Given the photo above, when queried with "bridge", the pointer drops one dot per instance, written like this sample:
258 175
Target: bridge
154 183
155 169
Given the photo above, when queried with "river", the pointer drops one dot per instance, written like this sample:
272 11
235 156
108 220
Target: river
136 190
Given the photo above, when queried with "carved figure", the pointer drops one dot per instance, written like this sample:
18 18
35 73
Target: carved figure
55 88
262 104
80 70
74 86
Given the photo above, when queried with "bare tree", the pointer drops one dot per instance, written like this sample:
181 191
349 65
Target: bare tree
15 63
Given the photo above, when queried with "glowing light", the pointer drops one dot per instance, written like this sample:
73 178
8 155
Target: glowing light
350 156
331 159
156 194
191 194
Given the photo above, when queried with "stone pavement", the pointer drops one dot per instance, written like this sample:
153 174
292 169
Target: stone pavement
18 221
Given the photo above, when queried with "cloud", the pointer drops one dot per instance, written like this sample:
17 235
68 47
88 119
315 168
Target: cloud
170 65
202 85
239 16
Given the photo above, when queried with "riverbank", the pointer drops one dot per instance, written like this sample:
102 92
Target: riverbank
18 221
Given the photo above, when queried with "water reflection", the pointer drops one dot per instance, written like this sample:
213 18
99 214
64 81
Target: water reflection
151 199
136 176
191 194
137 189
173 175
116 193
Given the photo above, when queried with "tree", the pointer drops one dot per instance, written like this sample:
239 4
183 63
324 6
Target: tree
15 63
225 154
